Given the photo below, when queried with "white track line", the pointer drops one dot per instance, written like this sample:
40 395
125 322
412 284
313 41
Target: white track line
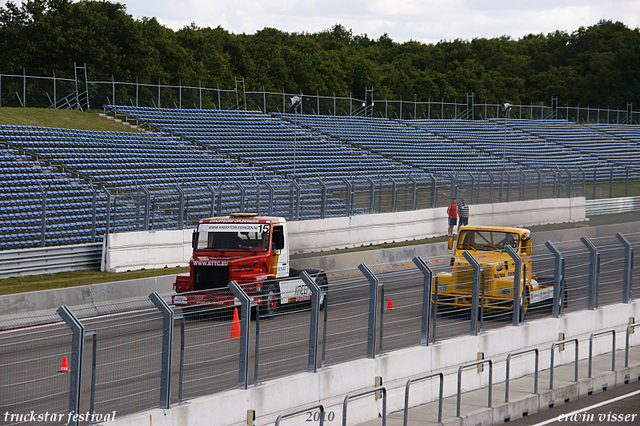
564 416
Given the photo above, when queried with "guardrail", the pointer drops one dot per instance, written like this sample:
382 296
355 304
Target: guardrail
320 407
630 330
48 260
406 395
535 379
553 346
471 364
380 389
611 205
613 348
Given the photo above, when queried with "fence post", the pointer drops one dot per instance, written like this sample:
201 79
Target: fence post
296 191
491 184
434 195
180 207
243 193
539 193
628 268
373 311
77 355
43 219
610 182
414 193
147 207
584 180
372 195
473 188
271 194
315 320
291 204
323 199
523 186
213 199
626 182
569 177
219 203
475 293
108 222
558 281
94 213
517 286
394 195
245 322
595 171
594 272
454 185
167 348
348 196
427 282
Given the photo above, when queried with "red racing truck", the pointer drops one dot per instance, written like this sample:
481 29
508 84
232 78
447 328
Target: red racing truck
251 250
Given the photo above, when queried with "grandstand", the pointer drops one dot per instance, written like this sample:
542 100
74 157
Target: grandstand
194 163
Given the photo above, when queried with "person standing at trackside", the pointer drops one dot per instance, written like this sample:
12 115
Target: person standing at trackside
452 213
463 214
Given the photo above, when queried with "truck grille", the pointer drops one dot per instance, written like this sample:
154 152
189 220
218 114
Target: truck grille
464 278
208 277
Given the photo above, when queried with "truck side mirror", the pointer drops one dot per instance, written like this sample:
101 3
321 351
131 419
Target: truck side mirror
194 240
278 238
450 242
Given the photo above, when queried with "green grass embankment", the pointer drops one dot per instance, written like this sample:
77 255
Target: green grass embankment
61 118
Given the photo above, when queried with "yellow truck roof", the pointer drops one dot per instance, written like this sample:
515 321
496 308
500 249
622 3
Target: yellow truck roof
496 229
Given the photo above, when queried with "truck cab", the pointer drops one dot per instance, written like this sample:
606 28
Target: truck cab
250 250
488 245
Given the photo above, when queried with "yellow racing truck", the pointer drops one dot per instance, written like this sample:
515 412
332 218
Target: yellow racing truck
487 245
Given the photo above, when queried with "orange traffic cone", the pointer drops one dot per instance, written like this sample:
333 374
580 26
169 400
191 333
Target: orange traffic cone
64 368
389 305
235 326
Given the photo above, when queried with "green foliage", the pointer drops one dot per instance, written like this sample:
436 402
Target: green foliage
596 65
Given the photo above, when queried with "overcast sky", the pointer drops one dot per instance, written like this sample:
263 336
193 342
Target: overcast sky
427 21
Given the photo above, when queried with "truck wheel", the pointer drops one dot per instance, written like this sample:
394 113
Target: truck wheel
271 301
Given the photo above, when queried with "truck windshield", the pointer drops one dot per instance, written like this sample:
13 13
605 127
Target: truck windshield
481 240
233 236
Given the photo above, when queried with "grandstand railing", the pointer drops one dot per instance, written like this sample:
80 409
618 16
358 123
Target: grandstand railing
144 208
52 221
42 91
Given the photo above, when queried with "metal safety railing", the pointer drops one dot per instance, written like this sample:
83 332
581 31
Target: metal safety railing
613 348
358 320
379 390
575 360
471 364
440 376
508 371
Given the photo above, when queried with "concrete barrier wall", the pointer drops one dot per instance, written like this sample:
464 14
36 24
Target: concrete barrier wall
46 301
131 251
158 249
331 385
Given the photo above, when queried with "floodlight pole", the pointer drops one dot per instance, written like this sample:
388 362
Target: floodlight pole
295 139
507 109
295 102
